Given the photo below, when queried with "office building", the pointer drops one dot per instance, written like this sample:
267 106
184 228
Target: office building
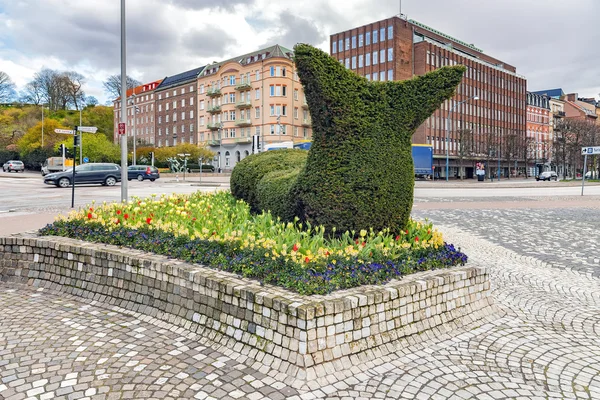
398 48
141 102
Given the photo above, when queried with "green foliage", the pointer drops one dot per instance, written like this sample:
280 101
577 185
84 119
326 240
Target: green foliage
359 173
95 147
248 172
6 155
35 158
33 138
274 193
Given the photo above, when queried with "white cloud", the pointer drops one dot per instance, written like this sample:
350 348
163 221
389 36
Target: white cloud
551 42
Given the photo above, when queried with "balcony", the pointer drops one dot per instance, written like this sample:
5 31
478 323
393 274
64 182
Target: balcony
560 114
243 86
214 110
305 105
213 92
216 142
215 126
306 122
234 141
243 104
243 122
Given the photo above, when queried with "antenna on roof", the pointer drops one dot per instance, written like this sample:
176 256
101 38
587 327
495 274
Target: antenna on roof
400 9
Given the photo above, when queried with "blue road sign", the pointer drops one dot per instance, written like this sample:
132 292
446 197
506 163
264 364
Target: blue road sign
85 159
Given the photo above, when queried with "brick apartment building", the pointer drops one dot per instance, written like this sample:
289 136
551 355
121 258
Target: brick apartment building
539 139
142 97
398 48
176 109
258 93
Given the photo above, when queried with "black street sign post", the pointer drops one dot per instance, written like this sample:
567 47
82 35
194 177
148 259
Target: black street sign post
75 144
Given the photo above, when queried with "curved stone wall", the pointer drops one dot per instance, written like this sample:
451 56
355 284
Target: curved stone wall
303 336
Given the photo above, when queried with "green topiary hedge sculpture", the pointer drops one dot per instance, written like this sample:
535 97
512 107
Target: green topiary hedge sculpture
359 172
247 174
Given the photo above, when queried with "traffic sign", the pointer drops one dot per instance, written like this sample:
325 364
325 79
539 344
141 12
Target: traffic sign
85 159
590 150
65 131
89 129
121 128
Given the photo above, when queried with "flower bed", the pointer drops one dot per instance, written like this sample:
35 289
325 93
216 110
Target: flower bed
219 231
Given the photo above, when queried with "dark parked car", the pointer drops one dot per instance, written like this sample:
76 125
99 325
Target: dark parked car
13 165
547 176
141 172
103 173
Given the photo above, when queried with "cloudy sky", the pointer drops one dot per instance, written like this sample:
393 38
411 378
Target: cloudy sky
554 43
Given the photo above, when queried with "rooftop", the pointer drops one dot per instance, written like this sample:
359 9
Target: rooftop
175 80
249 58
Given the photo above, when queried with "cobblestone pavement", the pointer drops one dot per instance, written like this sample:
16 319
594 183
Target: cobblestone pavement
544 344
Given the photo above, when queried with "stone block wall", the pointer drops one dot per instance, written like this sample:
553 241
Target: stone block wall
302 336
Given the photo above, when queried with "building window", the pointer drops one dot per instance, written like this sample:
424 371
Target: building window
296 112
295 94
272 71
382 56
347 47
382 34
382 76
374 36
167 106
174 104
368 77
160 107
232 115
182 115
182 102
390 54
257 112
353 62
347 63
368 38
334 50
166 118
375 58
340 47
257 94
353 42
191 101
360 61
368 59
231 98
390 75
272 90
232 80
360 40
390 32
191 114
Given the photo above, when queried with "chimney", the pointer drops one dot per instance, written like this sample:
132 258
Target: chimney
572 97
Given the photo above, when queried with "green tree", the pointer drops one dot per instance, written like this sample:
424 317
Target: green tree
96 147
33 138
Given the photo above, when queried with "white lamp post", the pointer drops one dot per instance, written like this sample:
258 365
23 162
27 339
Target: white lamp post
448 130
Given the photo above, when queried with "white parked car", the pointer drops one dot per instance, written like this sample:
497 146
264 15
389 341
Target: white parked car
547 176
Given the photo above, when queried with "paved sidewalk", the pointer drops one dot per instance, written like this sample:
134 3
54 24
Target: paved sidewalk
544 344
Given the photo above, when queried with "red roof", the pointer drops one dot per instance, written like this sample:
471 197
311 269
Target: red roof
146 87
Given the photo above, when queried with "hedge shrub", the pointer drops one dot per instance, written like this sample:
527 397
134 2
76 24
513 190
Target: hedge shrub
248 172
359 173
274 193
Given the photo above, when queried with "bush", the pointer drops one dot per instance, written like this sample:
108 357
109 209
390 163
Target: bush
6 155
274 193
248 172
359 173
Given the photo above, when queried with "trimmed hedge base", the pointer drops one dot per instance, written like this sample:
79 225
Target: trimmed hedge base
304 337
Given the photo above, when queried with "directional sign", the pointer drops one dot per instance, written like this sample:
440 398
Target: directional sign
590 150
85 159
65 131
121 128
89 129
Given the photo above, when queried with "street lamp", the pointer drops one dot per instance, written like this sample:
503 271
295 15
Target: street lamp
219 153
43 125
135 111
448 130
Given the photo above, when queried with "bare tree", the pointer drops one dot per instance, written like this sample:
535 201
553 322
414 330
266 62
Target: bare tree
511 150
112 85
466 148
33 93
7 87
74 82
571 136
